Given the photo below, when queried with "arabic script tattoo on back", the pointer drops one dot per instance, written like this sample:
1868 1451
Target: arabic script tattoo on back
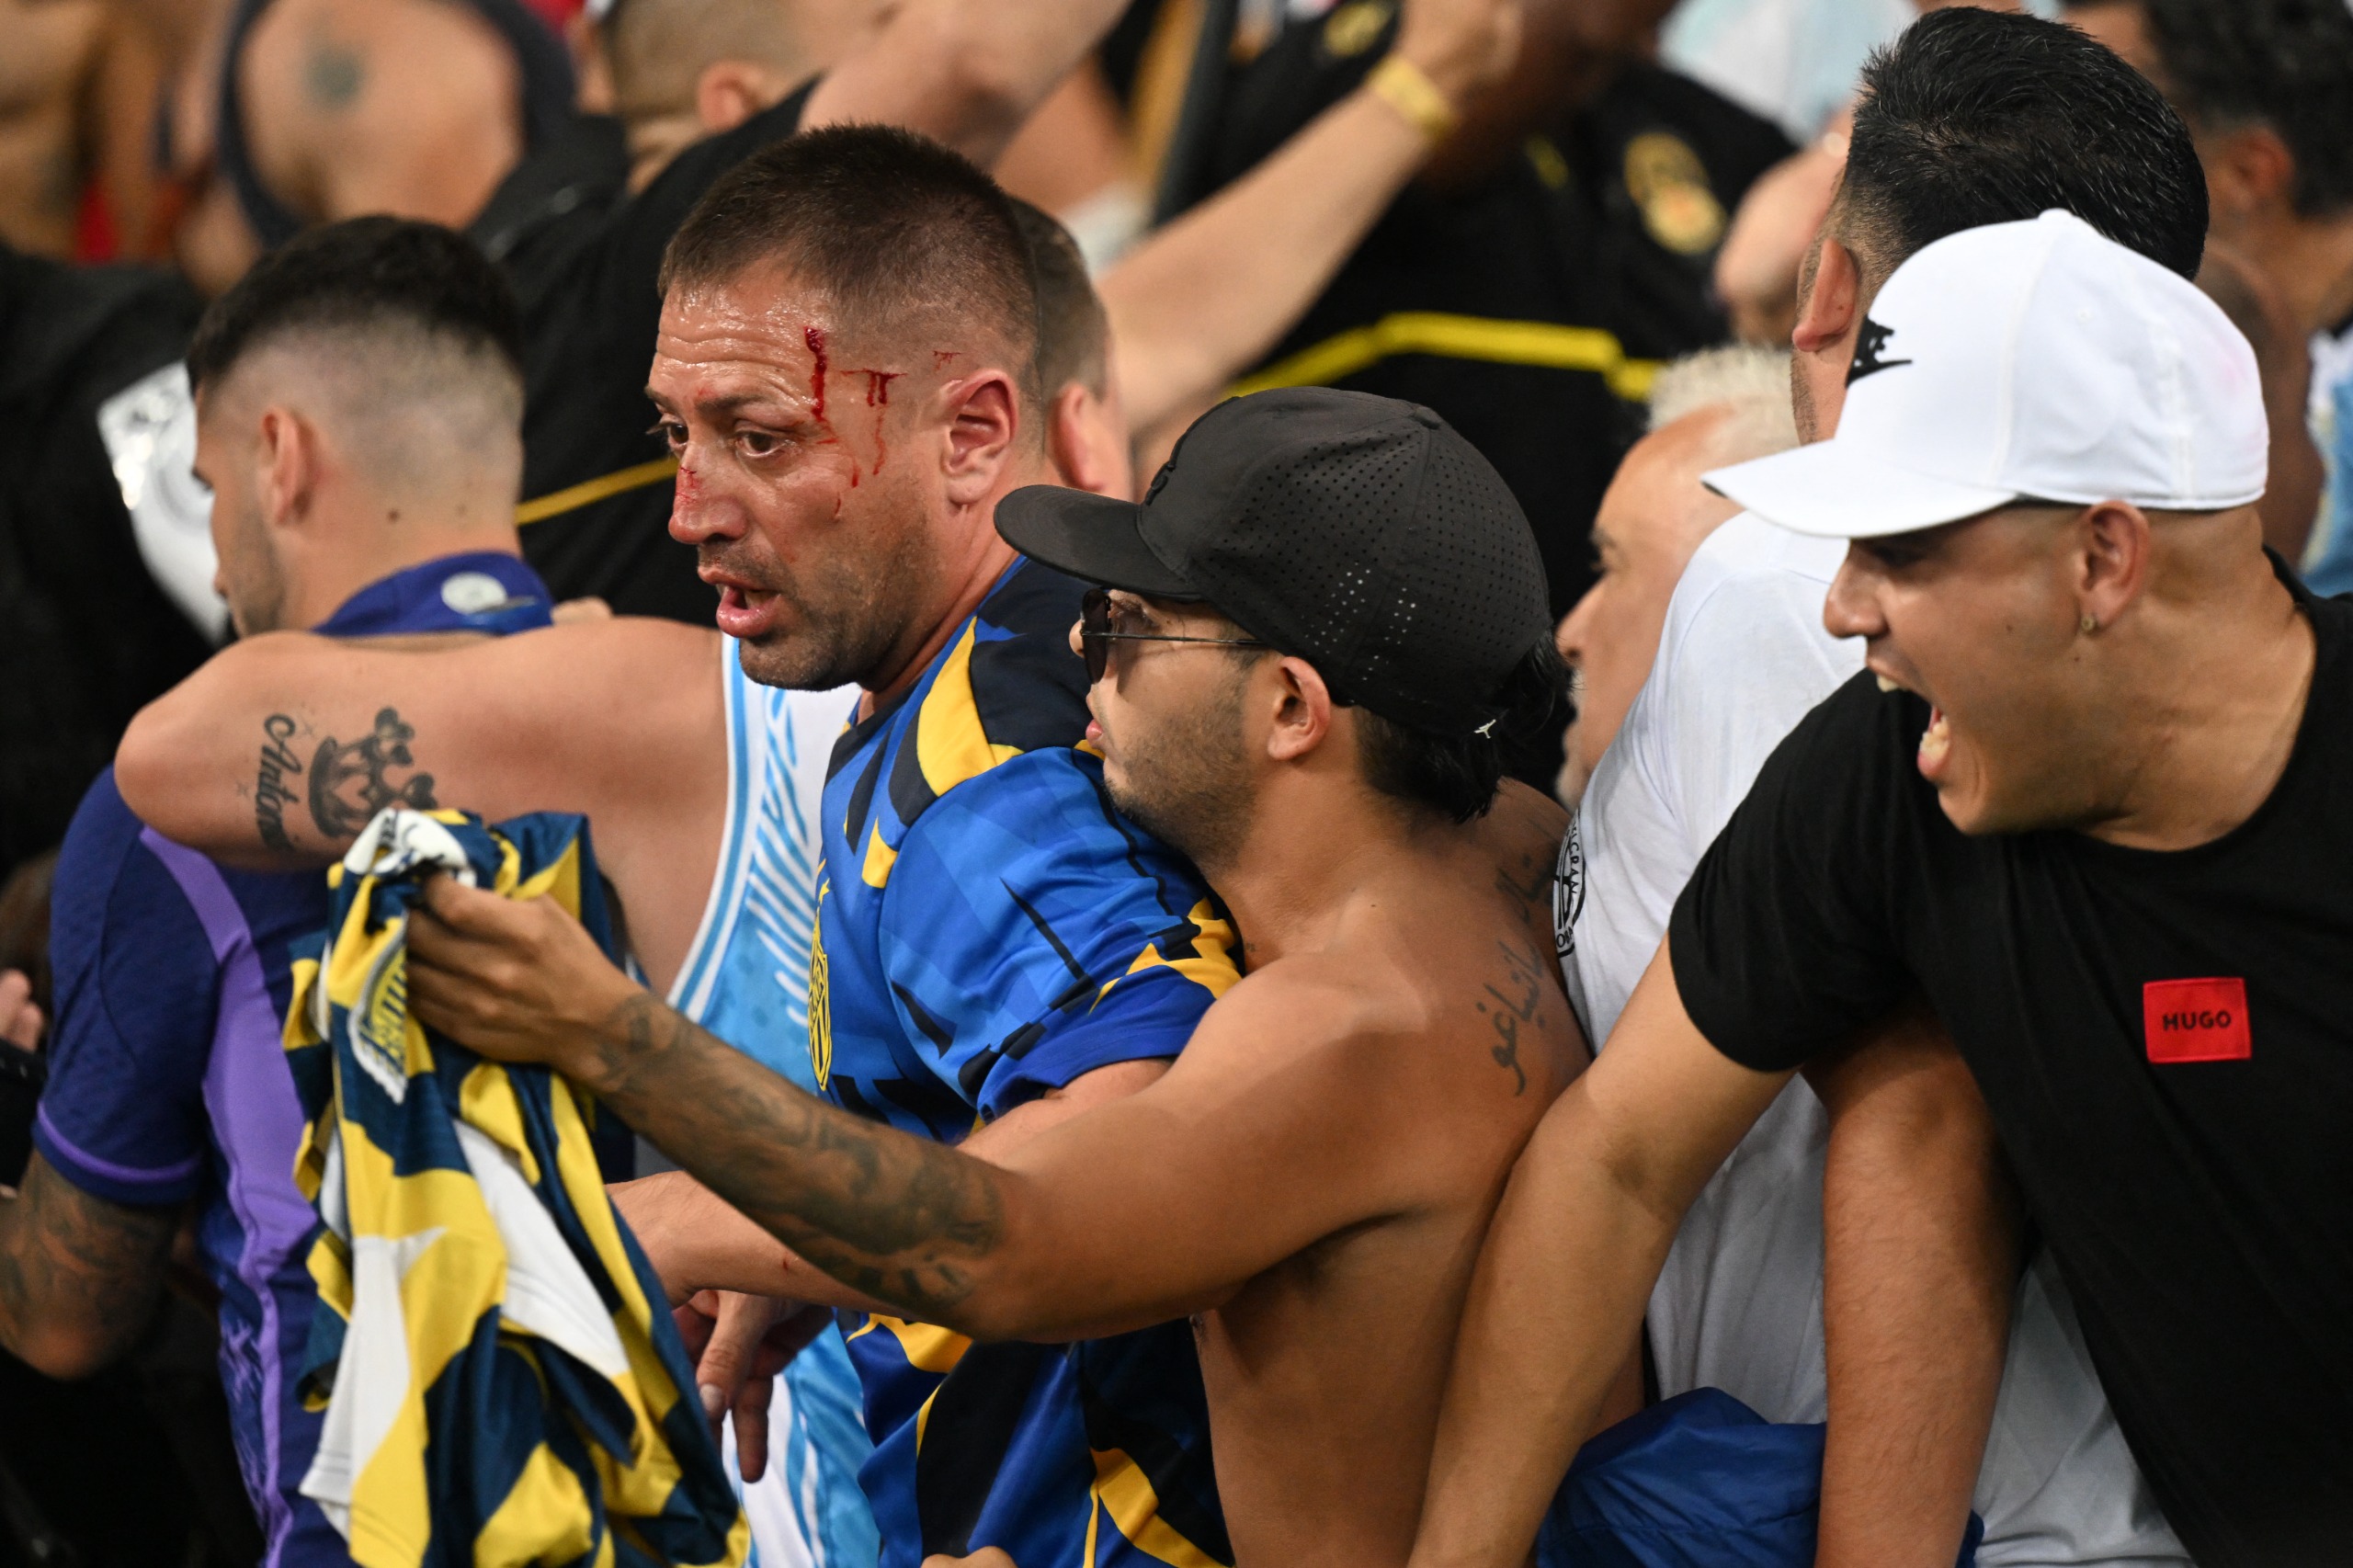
1515 1004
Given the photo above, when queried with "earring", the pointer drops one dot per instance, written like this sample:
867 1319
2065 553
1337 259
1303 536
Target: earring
2090 625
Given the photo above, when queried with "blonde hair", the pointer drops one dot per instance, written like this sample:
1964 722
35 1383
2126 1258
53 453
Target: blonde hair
1751 384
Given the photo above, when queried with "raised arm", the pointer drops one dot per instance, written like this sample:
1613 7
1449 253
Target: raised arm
1566 1272
1920 1234
962 72
1204 298
279 750
1048 1245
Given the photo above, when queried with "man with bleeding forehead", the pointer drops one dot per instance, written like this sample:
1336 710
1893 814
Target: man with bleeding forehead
2088 798
844 369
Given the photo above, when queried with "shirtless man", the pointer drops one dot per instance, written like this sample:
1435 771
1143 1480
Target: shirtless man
1400 999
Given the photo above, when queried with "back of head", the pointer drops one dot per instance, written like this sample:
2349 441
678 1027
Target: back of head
1977 117
1074 333
659 49
1748 384
899 235
401 334
2284 64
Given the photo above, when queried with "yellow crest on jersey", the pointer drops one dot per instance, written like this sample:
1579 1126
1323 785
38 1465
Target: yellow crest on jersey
1667 181
821 1006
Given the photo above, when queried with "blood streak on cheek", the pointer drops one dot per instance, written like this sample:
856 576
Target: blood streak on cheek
878 397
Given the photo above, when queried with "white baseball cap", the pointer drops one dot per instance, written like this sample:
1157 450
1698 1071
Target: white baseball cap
2035 360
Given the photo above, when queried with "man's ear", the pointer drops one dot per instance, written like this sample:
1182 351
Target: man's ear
1085 445
288 457
1826 311
984 422
2112 561
730 92
1302 710
2249 170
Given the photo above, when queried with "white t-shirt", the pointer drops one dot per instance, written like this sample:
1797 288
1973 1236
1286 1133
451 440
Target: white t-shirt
1742 658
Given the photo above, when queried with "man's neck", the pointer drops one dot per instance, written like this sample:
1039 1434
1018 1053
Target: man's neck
980 557
2222 699
1311 858
2310 262
318 592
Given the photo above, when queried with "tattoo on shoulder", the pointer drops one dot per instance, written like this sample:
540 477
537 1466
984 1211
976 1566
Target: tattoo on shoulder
333 75
1515 1002
345 784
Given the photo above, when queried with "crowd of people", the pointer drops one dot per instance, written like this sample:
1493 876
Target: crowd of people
1060 784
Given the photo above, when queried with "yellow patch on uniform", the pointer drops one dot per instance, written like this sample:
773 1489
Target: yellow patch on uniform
927 1346
820 996
1210 965
1545 158
1667 181
1356 26
950 744
880 858
1550 344
1128 1496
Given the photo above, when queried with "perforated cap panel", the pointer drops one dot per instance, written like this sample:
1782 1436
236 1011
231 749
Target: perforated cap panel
1363 534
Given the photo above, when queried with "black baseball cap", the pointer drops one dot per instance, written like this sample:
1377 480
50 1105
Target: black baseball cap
1360 533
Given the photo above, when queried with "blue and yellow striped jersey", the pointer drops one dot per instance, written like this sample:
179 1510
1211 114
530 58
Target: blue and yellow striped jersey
988 930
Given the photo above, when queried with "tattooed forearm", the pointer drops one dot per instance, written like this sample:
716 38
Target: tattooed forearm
1515 1002
909 1221
78 1276
349 784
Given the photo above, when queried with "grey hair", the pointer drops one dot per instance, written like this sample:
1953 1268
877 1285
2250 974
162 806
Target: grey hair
1750 383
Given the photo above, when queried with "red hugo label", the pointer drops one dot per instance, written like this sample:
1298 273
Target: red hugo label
2196 1020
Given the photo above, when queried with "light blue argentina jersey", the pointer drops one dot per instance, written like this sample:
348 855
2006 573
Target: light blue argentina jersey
746 981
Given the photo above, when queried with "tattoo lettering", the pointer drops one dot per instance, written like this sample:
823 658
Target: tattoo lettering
271 795
1515 1007
348 783
896 1216
1530 890
333 75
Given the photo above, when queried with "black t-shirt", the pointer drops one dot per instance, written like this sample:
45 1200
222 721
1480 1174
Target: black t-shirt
1605 223
584 256
2165 1041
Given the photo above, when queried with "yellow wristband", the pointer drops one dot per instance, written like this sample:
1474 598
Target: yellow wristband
1407 87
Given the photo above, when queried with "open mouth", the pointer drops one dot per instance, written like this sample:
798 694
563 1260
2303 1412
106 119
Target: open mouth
1936 741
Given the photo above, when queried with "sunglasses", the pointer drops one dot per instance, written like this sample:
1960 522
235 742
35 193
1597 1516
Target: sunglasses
1095 636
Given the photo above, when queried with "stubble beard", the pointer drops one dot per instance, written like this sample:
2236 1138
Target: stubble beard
845 619
1185 782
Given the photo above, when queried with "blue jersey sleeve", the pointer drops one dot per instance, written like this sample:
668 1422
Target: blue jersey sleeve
122 1117
1030 934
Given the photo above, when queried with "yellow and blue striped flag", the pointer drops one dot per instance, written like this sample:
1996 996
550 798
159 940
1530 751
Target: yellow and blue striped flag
502 1378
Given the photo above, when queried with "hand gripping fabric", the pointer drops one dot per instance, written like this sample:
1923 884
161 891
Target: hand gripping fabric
500 1374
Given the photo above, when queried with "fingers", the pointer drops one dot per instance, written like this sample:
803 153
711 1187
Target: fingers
750 1410
20 1021
728 1359
791 1334
986 1557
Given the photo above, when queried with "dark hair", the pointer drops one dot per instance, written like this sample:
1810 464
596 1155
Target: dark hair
1073 334
363 273
1459 775
888 223
2284 64
1975 117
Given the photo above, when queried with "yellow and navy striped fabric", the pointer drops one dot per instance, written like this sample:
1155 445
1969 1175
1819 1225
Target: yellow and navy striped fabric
502 1378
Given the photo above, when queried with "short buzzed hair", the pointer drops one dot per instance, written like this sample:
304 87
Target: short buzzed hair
2284 64
373 276
1074 333
1973 116
1749 382
659 49
892 226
